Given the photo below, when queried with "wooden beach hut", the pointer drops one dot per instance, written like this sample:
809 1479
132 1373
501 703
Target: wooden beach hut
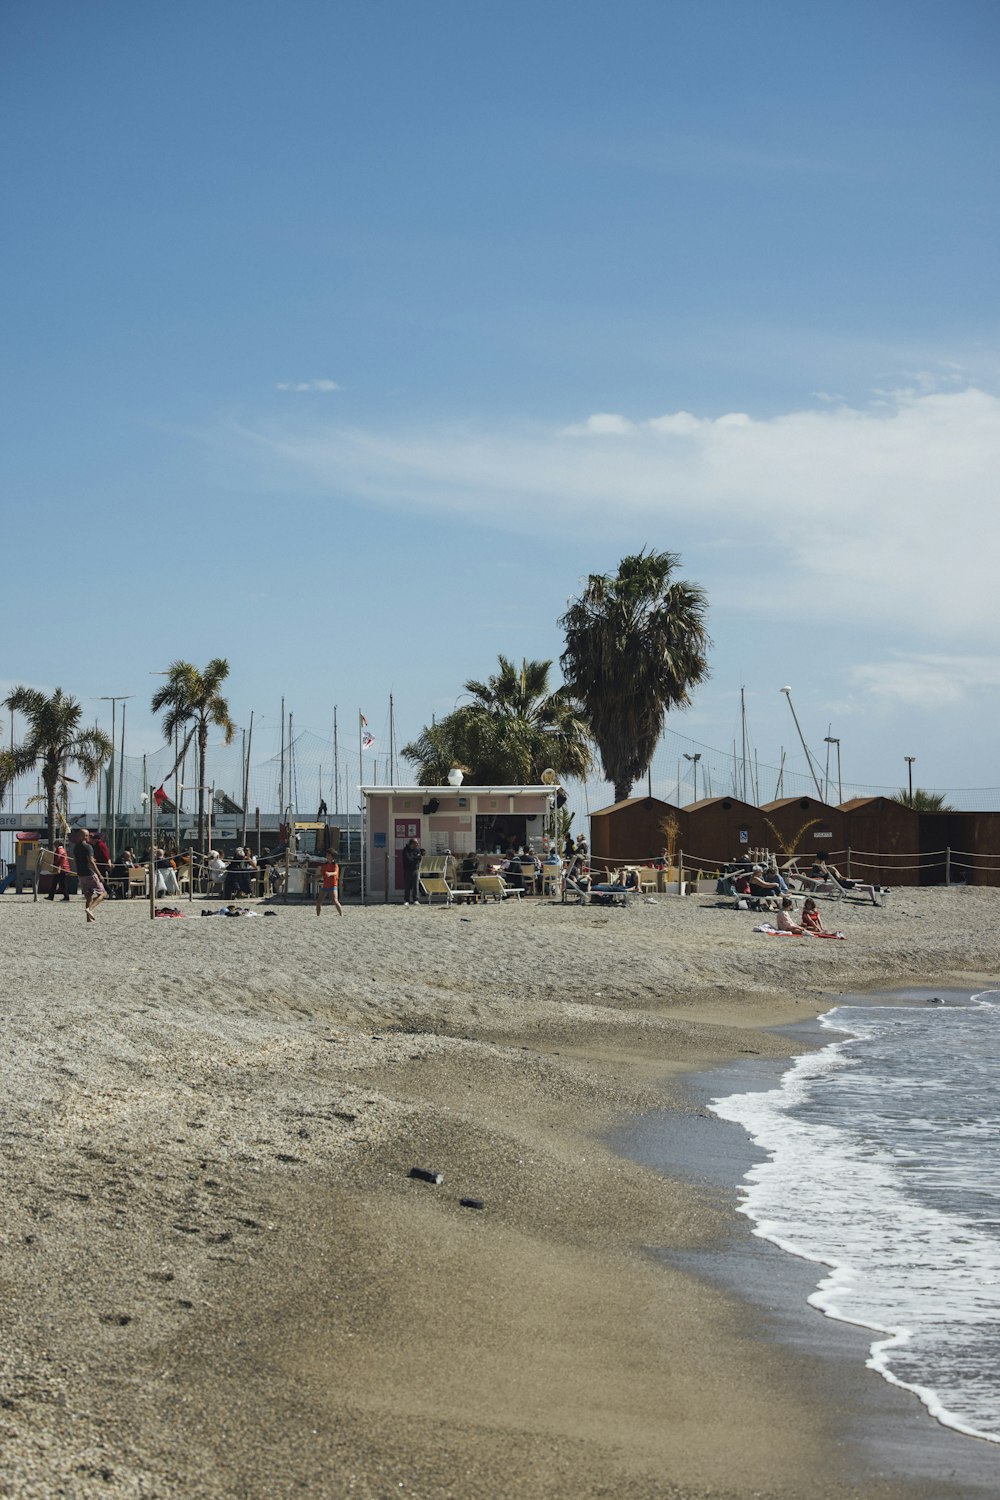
631 832
882 841
721 830
804 827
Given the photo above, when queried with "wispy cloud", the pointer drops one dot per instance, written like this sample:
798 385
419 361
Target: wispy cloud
928 681
885 516
307 385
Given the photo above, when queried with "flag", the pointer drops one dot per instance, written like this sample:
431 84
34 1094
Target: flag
366 739
159 796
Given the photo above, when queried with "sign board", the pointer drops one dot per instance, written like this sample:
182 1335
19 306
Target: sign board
28 820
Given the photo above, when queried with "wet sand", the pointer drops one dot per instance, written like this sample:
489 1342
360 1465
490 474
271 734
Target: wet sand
219 1280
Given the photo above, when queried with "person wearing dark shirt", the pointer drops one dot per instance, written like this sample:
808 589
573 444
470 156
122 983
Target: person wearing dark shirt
412 855
87 874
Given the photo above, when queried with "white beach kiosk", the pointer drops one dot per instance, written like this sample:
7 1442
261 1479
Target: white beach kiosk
459 820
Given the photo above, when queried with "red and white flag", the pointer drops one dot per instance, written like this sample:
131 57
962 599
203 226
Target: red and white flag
366 739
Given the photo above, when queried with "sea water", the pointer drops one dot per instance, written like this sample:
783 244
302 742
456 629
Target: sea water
884 1167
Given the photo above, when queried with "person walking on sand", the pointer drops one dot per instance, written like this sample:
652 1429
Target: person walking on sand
86 871
60 874
329 885
412 855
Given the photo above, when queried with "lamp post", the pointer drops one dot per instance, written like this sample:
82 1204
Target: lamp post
809 760
694 759
909 774
831 739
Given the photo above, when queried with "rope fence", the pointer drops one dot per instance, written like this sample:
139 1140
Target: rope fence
945 866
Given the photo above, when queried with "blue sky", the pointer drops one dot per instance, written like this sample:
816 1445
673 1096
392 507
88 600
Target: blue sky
345 340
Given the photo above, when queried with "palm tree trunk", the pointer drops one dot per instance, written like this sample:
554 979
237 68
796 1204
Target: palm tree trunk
623 789
50 809
202 763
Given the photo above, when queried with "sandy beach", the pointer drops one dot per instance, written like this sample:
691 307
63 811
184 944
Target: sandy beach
219 1279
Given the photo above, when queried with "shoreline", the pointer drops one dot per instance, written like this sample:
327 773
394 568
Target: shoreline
893 1431
223 1283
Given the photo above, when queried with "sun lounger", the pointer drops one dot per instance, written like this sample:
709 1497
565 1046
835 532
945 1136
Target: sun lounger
435 885
494 887
610 895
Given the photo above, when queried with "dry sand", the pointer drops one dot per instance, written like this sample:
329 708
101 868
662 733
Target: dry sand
219 1281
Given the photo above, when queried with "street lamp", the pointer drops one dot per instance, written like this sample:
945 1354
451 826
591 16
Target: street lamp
909 773
809 760
832 740
694 759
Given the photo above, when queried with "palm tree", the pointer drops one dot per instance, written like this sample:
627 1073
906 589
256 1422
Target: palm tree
193 701
635 645
53 742
922 801
514 729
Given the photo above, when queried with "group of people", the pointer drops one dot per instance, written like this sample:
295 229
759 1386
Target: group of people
811 924
769 887
232 877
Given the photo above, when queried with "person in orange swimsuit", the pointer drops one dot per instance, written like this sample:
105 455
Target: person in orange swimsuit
329 886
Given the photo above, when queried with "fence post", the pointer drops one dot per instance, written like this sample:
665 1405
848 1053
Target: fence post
680 872
947 867
848 863
386 857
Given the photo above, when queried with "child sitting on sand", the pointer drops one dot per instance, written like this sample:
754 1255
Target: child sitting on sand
783 921
812 922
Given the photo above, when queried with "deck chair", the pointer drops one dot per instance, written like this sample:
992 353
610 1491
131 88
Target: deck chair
580 889
137 881
433 884
610 893
494 887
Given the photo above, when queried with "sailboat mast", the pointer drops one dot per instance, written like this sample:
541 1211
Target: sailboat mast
336 765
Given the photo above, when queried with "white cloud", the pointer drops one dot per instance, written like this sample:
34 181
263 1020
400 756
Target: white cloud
307 385
928 681
884 516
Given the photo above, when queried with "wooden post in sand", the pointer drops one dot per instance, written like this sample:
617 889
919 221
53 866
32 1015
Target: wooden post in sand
680 872
151 862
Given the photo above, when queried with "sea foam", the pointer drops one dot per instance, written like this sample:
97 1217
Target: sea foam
884 1166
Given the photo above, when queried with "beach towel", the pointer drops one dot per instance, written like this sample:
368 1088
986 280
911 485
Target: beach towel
769 931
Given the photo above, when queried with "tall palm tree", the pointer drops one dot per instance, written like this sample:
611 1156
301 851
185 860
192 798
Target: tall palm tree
193 701
635 646
55 741
515 728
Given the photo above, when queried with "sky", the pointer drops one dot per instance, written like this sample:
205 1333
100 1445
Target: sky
346 340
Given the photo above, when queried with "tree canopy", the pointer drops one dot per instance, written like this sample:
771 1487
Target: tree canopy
193 700
922 801
53 743
636 645
515 728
